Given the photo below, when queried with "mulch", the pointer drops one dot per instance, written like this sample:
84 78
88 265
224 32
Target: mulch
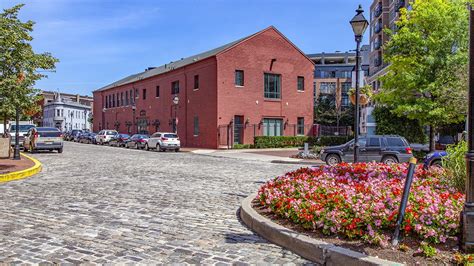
445 254
9 165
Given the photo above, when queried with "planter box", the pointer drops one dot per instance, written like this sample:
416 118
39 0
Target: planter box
4 148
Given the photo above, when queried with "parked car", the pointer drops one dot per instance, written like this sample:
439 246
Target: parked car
162 141
119 140
379 148
87 138
78 136
72 134
434 158
104 136
43 138
138 141
23 129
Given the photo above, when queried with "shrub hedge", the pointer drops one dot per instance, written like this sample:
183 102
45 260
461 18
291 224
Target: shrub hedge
280 141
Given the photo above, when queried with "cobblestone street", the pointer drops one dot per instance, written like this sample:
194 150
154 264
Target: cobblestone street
112 205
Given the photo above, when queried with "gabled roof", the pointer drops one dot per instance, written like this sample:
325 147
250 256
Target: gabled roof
173 65
189 60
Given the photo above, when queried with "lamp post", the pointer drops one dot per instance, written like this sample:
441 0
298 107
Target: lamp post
103 117
175 105
467 226
359 25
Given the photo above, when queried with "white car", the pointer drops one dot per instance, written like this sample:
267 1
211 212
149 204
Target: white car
104 136
162 141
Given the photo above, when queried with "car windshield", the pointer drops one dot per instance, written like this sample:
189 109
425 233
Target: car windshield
144 136
124 136
172 136
110 133
21 128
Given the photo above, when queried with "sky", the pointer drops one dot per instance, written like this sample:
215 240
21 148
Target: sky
101 41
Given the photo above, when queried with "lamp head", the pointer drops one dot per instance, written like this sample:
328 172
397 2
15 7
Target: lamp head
359 23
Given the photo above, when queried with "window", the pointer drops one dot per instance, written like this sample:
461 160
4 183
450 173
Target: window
346 86
144 94
327 87
131 97
175 87
118 99
239 78
157 91
58 112
272 127
106 102
373 142
301 83
398 142
121 98
272 86
196 82
113 100
300 126
126 98
196 125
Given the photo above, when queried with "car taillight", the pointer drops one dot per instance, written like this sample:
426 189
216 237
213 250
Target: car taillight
164 138
141 140
36 135
408 150
60 135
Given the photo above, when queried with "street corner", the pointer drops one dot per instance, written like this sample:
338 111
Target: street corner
11 170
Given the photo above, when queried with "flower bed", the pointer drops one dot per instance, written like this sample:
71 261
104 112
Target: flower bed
361 201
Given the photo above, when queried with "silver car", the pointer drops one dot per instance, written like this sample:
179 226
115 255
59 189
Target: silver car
43 138
162 141
104 136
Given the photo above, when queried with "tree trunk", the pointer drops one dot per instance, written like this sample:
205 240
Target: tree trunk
432 138
4 125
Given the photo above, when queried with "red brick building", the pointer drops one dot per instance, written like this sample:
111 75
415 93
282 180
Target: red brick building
258 85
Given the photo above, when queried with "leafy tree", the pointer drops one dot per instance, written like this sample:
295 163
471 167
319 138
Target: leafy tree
326 113
389 123
428 55
19 64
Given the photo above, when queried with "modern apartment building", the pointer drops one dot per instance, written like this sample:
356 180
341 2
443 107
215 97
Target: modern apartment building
257 85
383 14
333 74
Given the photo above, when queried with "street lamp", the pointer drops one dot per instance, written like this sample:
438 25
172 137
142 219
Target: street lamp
175 103
359 25
103 117
467 226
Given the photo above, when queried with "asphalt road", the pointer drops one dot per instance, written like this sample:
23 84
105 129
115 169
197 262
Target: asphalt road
112 205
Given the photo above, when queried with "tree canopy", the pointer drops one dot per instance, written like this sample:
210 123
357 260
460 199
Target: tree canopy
20 66
428 57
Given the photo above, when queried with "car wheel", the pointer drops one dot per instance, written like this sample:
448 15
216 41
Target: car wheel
31 150
333 159
158 147
176 150
146 147
389 159
136 146
437 163
60 150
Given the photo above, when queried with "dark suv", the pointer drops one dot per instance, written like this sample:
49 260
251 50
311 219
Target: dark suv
385 149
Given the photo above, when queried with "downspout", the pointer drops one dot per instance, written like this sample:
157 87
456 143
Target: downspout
185 106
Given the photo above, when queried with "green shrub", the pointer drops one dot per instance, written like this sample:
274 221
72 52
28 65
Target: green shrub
332 140
281 141
243 146
455 164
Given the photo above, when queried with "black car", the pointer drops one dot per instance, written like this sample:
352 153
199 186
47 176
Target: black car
119 140
73 134
379 148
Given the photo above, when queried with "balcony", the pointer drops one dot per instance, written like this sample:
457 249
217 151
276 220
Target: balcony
378 10
378 27
377 45
377 61
58 118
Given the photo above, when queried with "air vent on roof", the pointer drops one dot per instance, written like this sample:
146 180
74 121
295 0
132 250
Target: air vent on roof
150 68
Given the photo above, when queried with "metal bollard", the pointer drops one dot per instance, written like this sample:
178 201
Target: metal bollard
403 204
306 148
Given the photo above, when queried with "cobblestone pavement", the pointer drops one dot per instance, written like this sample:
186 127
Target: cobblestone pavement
111 205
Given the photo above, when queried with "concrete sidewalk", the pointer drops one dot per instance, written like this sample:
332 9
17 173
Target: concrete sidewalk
262 155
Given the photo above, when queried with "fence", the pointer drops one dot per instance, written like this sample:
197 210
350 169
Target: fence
231 134
323 130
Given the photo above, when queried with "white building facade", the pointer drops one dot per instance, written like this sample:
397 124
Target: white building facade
66 115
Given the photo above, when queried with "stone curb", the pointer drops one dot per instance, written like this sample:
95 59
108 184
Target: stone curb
297 162
307 247
23 173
